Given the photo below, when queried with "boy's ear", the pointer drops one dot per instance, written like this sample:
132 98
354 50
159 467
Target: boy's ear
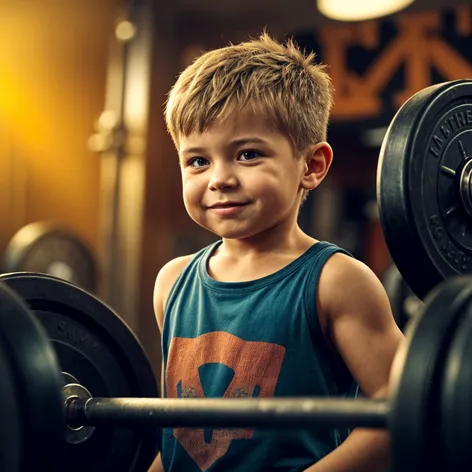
318 159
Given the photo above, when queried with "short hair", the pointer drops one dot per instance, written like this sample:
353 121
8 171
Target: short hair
278 79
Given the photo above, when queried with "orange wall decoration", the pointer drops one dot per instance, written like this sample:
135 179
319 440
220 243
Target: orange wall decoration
376 66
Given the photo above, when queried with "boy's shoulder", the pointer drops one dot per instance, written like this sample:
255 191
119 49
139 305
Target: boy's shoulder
165 280
170 271
346 281
344 270
175 265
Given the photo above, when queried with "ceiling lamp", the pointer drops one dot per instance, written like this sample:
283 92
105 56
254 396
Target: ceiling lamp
358 10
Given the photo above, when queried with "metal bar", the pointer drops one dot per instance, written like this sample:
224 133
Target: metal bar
228 413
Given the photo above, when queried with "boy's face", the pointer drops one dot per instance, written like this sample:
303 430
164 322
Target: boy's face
240 177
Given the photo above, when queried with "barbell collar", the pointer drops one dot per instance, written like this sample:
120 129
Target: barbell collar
229 413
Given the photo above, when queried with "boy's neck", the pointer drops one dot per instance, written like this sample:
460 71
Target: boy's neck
267 243
238 260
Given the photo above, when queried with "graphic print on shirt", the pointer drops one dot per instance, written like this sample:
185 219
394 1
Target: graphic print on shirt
251 369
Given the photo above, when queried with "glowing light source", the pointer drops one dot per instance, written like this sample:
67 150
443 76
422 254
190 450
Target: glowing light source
358 10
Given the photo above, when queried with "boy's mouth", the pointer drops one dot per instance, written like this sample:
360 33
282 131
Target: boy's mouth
223 209
227 205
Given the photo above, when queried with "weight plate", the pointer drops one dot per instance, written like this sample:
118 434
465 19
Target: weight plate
98 349
416 377
35 413
46 248
456 406
10 439
423 185
405 304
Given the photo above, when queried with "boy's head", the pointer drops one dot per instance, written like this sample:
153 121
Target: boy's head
239 116
277 80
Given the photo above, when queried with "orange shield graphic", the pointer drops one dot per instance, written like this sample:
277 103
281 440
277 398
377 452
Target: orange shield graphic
256 367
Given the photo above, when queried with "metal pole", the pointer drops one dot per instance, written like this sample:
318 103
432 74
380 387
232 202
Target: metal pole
228 413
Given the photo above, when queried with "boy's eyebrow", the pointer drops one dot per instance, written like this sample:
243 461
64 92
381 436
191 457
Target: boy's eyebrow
248 140
234 143
192 150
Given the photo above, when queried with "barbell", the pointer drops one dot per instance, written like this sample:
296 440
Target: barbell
78 392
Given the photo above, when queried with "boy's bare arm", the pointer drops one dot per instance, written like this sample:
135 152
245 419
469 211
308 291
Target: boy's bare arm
361 327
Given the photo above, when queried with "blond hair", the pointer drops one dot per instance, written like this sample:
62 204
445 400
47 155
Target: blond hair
277 79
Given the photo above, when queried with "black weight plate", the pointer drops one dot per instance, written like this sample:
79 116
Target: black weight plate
11 449
95 346
456 399
426 228
50 249
416 377
30 372
405 304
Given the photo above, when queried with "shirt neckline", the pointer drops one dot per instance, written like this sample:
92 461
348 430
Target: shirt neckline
255 284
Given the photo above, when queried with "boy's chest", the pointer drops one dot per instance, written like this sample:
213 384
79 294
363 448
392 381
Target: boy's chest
233 347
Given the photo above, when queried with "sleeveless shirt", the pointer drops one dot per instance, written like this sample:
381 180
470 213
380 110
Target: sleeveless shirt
260 338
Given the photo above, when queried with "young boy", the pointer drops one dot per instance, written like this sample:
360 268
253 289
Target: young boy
267 310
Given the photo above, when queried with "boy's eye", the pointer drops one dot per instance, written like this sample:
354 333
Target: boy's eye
197 162
248 155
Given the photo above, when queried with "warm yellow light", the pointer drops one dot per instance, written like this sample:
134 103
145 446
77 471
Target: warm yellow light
125 31
358 10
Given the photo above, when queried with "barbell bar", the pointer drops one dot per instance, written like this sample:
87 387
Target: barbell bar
228 412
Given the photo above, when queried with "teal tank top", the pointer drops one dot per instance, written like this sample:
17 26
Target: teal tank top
259 338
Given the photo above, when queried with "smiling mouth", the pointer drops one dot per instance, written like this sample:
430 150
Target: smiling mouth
226 205
227 210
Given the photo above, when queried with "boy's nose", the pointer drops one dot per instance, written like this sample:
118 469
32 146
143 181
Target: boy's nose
222 178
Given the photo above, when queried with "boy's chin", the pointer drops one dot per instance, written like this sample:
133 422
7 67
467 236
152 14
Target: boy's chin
234 235
228 233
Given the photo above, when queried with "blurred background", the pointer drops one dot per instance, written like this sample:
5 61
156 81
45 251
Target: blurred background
89 179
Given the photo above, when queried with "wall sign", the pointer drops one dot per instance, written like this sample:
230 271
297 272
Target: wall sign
375 66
